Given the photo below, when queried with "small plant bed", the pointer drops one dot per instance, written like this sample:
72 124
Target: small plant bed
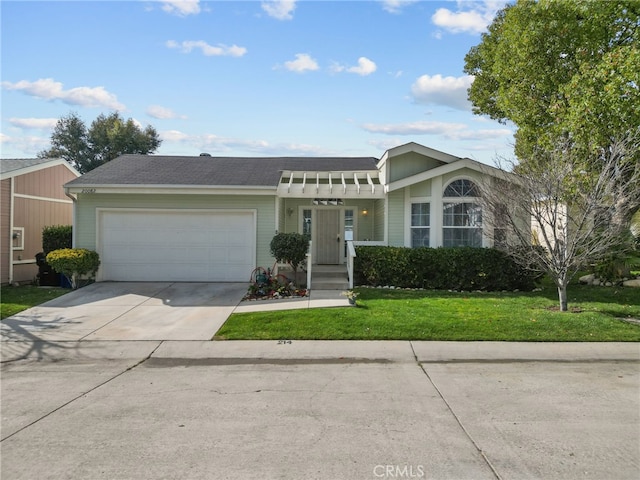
17 299
265 286
596 314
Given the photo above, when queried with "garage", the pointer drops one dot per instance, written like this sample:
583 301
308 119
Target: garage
176 245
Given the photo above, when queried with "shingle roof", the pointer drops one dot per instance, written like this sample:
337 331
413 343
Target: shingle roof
11 164
212 171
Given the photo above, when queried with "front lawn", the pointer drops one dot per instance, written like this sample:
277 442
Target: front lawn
385 314
16 299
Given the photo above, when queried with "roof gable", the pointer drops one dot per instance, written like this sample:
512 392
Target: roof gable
462 164
14 167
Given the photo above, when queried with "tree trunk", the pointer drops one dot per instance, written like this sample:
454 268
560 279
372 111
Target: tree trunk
562 296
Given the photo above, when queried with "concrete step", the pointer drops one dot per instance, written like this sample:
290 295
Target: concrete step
329 277
329 285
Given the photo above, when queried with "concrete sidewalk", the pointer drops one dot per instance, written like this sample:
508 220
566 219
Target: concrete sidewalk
323 410
247 351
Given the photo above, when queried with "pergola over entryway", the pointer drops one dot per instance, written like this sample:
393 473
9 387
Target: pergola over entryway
343 184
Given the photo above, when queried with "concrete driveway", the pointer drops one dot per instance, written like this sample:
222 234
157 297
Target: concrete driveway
129 311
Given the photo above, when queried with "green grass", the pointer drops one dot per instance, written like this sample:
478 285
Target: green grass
16 299
438 315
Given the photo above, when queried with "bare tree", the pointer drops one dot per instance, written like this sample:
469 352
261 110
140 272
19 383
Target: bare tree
554 216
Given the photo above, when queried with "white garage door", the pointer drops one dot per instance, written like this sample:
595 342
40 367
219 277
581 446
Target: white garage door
187 246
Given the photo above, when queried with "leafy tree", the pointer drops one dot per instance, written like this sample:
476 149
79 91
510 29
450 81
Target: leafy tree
560 69
108 137
291 248
579 218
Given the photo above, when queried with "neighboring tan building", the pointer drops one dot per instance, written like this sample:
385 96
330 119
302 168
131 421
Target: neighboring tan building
31 198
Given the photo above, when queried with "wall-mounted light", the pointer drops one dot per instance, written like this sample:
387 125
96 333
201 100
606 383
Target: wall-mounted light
289 211
365 212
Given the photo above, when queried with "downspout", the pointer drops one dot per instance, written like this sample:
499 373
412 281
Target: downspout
11 226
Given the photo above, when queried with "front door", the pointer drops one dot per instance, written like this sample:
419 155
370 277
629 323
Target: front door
328 237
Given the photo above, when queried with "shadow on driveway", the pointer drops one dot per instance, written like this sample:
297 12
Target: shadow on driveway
116 311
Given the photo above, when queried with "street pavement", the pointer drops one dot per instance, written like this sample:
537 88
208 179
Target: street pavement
199 409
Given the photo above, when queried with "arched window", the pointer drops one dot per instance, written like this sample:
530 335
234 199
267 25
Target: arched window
462 215
461 188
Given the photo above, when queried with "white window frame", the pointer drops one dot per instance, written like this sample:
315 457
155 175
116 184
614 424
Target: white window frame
17 238
474 201
413 227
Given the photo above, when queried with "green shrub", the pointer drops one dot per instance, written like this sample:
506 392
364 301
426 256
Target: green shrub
74 262
290 248
440 268
56 237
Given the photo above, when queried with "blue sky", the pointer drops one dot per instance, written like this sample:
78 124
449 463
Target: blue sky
254 78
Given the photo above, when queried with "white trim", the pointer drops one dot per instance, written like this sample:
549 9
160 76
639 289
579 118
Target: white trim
12 208
411 201
44 199
171 190
25 262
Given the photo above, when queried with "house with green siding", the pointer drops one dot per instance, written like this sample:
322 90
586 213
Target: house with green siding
204 218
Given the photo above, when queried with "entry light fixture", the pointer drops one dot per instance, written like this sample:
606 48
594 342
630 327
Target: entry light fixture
365 212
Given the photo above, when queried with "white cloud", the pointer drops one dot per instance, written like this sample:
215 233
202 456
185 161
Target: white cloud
481 135
449 131
302 63
181 8
415 128
470 17
215 144
395 6
208 50
48 89
280 9
173 136
18 147
34 123
156 111
439 90
364 67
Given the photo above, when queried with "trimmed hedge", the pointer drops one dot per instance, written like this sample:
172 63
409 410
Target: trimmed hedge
74 262
56 237
463 268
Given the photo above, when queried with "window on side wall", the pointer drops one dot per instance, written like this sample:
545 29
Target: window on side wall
462 216
420 224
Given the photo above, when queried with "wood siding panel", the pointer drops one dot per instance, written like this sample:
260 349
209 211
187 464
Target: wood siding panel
409 164
34 215
265 206
5 225
47 182
396 218
379 220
